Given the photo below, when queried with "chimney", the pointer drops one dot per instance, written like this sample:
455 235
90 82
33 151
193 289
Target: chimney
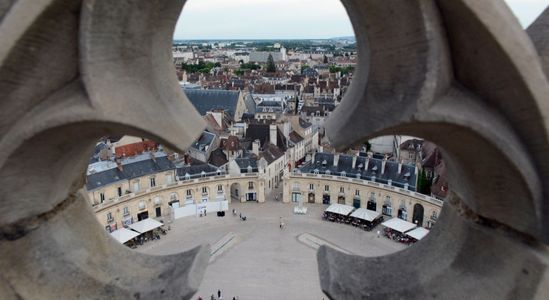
119 166
383 163
336 159
255 147
272 134
354 161
400 167
152 156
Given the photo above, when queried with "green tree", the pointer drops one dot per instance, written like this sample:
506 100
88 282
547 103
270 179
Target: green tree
271 68
423 184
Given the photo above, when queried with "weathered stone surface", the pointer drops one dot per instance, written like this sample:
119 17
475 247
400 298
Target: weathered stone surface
466 76
461 73
71 72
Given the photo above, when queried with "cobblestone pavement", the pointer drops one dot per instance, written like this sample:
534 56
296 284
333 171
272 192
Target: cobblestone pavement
255 259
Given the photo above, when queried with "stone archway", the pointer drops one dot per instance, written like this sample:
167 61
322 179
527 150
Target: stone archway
311 198
417 217
236 191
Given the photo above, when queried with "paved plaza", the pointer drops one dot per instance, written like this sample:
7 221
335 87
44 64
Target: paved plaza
255 259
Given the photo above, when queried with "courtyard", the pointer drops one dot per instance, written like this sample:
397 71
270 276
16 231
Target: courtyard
255 259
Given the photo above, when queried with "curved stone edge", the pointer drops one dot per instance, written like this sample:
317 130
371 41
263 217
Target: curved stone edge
459 259
97 265
127 68
539 33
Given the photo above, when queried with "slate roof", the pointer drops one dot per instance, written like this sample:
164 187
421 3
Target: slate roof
261 132
271 153
196 171
250 104
325 162
208 100
205 139
245 162
128 172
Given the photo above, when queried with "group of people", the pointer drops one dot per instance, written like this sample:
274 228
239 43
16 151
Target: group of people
242 218
397 236
368 226
219 296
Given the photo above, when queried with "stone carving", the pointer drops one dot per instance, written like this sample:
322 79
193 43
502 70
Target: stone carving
71 72
461 73
466 76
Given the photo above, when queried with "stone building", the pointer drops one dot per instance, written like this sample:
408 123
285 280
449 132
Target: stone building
460 72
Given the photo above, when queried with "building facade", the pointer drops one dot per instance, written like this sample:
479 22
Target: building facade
391 201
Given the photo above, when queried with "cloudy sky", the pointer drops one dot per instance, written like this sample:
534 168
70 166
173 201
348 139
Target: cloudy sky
266 19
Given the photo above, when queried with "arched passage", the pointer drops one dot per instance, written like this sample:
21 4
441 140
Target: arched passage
418 215
235 191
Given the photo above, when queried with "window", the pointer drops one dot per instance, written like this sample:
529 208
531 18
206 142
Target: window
434 216
119 191
189 193
153 181
357 192
102 197
109 217
311 187
126 211
326 188
173 197
251 185
136 186
342 190
169 178
204 190
373 196
220 188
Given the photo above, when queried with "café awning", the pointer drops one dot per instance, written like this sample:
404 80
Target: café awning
399 225
123 235
365 214
418 233
145 225
340 209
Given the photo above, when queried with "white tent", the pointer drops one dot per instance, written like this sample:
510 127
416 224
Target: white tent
418 233
365 214
123 235
340 209
145 225
399 225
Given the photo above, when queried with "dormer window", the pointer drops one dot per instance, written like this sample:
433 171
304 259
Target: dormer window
316 171
202 174
250 169
328 172
343 174
187 176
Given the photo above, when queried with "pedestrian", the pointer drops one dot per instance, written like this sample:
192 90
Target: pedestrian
212 297
205 212
276 197
219 294
378 233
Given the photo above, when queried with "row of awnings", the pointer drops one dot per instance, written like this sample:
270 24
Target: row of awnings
359 213
123 235
405 227
396 224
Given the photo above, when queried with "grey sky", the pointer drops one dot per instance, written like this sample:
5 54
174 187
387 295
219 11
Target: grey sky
266 19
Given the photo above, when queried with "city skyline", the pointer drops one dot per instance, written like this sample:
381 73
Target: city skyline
287 19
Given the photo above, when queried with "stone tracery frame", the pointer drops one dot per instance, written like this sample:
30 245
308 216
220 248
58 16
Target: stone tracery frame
461 73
